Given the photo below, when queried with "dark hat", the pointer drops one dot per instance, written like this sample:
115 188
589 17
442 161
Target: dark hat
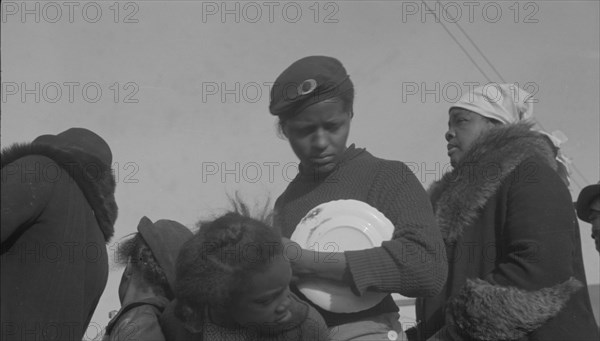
79 139
308 81
165 238
586 196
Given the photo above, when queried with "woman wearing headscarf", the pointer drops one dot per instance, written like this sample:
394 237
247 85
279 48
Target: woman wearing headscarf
313 100
514 251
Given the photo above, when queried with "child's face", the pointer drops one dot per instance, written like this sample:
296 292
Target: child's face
266 299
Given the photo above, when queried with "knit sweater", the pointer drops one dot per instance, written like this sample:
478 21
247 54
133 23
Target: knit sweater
410 263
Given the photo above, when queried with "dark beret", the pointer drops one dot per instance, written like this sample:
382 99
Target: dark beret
308 81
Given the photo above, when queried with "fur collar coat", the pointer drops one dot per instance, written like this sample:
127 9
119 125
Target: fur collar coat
93 177
58 213
513 246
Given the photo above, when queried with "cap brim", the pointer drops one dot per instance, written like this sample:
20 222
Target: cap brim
165 238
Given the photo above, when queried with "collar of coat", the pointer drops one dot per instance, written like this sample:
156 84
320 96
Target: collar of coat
97 183
461 193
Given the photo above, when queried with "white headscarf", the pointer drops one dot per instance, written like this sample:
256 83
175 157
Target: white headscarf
507 103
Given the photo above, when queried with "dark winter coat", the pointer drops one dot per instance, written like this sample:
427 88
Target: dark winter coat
58 211
513 246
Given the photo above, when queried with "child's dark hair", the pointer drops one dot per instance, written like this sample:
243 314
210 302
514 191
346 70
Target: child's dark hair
215 264
144 263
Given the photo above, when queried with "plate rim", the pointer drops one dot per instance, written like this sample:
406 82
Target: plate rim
310 215
303 227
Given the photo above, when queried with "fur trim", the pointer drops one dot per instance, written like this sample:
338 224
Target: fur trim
490 312
97 182
461 194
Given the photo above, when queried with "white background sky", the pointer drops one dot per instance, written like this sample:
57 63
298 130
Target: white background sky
179 129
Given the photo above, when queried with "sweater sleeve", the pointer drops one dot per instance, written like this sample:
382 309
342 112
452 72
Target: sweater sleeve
26 190
412 263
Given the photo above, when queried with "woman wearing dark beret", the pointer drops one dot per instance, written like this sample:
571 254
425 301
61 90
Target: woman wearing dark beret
514 251
313 99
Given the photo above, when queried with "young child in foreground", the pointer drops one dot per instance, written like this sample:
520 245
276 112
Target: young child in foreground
232 283
147 283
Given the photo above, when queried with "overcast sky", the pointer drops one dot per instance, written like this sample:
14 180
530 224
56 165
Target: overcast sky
179 89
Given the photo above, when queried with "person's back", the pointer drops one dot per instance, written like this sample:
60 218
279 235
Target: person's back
58 212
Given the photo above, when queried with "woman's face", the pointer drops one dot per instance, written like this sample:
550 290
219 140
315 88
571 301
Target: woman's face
464 127
318 135
266 299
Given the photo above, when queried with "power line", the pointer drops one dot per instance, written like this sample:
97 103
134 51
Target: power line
572 164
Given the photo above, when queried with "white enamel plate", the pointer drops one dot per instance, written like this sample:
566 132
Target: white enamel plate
336 226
